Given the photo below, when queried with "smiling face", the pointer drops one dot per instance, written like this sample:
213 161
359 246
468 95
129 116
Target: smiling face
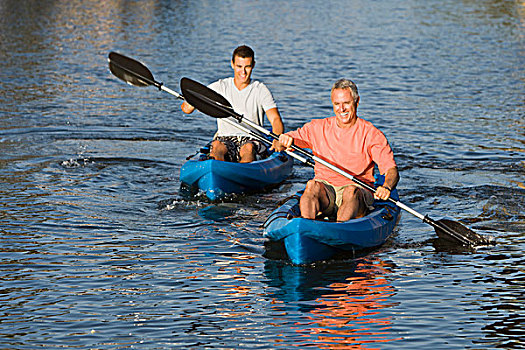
242 71
345 108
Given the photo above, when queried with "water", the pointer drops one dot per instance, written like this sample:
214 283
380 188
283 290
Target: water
99 250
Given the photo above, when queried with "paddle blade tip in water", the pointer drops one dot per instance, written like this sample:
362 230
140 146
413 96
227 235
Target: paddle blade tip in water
129 70
454 232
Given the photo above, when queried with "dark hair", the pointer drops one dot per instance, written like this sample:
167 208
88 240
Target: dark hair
244 51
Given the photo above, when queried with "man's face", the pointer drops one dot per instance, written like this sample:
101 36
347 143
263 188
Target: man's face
242 69
345 108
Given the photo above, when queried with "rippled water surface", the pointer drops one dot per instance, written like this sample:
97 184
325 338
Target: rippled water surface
99 250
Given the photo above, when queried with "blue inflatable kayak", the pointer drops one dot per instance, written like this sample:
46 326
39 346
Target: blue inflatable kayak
219 179
306 241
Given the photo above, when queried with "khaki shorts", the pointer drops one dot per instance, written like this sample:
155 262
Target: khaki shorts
335 197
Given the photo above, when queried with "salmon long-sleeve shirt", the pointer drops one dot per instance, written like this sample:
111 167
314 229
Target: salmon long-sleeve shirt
353 149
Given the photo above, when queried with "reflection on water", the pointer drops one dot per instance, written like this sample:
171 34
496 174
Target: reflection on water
342 301
99 247
292 283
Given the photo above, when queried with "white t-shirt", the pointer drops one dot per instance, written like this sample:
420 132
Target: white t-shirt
251 102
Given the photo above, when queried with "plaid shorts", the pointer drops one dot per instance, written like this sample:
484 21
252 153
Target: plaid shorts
234 144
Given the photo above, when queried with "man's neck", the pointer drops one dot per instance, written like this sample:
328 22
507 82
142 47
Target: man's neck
241 86
346 125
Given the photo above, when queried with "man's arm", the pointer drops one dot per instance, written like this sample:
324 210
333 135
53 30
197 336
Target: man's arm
277 123
391 180
275 119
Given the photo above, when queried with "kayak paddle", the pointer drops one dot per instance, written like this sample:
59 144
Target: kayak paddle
135 73
213 104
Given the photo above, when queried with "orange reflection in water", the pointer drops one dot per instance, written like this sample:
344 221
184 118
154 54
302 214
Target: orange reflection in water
349 315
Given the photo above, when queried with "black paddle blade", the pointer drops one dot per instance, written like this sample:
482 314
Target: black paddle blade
131 71
454 232
205 99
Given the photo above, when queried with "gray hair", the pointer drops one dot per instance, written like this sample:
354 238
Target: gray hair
346 84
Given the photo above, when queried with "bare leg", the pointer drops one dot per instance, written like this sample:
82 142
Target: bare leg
247 153
314 200
218 150
353 204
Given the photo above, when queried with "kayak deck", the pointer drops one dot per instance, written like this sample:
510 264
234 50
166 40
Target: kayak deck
218 179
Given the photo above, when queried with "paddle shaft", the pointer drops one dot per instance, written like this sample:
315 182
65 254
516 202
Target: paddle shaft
260 138
236 125
132 67
241 119
161 86
426 219
122 66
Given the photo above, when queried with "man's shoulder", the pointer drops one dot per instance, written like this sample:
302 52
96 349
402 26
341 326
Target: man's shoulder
222 86
259 85
369 128
366 123
319 123
323 121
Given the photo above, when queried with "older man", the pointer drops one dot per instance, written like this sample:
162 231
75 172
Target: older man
351 143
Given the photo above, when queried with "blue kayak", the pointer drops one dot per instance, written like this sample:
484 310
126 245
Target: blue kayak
306 241
218 179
